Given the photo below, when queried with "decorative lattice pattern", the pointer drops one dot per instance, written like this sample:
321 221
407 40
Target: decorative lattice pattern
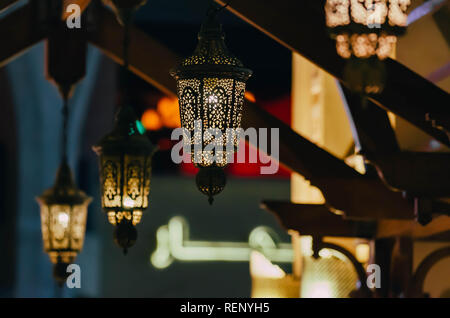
211 113
126 198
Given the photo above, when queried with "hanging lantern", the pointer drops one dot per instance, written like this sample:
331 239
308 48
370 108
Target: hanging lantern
63 219
365 32
211 89
125 168
366 28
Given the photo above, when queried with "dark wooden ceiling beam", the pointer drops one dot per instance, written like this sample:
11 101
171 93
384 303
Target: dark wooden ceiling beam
82 3
317 220
300 26
149 59
372 130
344 189
19 31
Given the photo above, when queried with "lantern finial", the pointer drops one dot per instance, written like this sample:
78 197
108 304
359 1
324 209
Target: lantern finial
125 235
211 181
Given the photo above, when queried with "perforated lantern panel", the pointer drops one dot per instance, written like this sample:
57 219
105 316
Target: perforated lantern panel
125 181
211 90
211 113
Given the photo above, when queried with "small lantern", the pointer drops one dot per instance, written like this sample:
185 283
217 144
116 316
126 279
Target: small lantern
366 30
211 89
63 219
125 168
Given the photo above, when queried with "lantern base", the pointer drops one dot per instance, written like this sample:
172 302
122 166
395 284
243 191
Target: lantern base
125 235
60 273
211 181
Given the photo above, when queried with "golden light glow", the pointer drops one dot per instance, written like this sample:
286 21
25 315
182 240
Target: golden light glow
169 111
270 281
319 290
372 14
63 219
363 253
128 203
63 228
151 120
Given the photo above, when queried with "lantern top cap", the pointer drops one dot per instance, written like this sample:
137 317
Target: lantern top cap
211 57
64 191
125 138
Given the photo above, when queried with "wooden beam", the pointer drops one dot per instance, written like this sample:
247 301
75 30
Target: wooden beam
300 26
6 4
19 32
391 228
420 174
149 59
370 125
82 3
317 220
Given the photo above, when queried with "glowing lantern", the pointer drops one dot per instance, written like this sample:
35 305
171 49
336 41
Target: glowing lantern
366 30
125 168
63 220
211 89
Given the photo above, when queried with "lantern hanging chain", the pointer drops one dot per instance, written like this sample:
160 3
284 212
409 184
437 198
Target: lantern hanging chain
126 54
65 113
215 10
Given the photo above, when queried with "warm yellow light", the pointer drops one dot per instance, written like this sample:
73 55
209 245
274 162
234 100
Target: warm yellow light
63 219
260 266
319 290
128 203
363 253
151 120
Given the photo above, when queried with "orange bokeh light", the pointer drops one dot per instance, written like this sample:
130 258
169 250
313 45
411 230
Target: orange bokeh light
169 111
250 97
151 120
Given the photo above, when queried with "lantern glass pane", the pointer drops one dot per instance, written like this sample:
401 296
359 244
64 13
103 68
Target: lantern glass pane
111 174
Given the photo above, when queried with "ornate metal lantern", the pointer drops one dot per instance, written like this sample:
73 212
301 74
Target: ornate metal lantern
125 168
366 30
63 219
211 89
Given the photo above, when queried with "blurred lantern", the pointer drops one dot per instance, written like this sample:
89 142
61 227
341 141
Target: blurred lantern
151 120
63 214
211 89
366 30
169 112
125 168
63 220
125 155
